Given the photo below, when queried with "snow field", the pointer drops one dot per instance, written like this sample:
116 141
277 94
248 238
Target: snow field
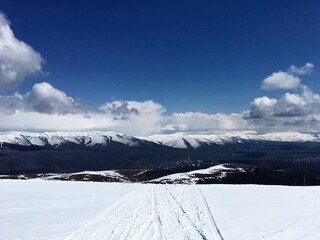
38 209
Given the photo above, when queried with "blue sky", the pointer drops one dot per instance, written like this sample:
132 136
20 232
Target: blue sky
144 67
207 56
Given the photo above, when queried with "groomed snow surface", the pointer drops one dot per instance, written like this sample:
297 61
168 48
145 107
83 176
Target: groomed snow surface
38 209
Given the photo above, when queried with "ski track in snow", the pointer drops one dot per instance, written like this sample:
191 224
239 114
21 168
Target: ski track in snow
154 213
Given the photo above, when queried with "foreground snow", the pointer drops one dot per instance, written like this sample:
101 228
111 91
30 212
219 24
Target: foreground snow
37 209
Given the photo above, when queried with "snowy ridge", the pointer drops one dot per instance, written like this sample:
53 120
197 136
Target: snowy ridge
87 175
177 140
181 140
218 171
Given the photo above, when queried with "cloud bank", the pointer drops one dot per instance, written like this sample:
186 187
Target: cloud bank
45 107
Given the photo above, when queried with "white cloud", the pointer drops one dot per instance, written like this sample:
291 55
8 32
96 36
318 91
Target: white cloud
35 121
9 104
280 80
17 59
262 106
43 98
138 118
197 121
304 70
300 111
127 109
291 105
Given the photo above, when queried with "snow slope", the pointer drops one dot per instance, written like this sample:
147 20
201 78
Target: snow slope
177 140
37 209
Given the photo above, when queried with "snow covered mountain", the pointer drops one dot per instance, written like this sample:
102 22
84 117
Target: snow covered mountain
59 138
181 140
65 152
177 140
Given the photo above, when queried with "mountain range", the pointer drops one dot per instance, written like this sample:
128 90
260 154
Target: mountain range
177 140
63 152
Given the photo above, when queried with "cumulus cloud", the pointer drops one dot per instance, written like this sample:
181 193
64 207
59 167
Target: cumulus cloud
290 105
17 59
261 107
300 111
304 70
44 98
280 80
